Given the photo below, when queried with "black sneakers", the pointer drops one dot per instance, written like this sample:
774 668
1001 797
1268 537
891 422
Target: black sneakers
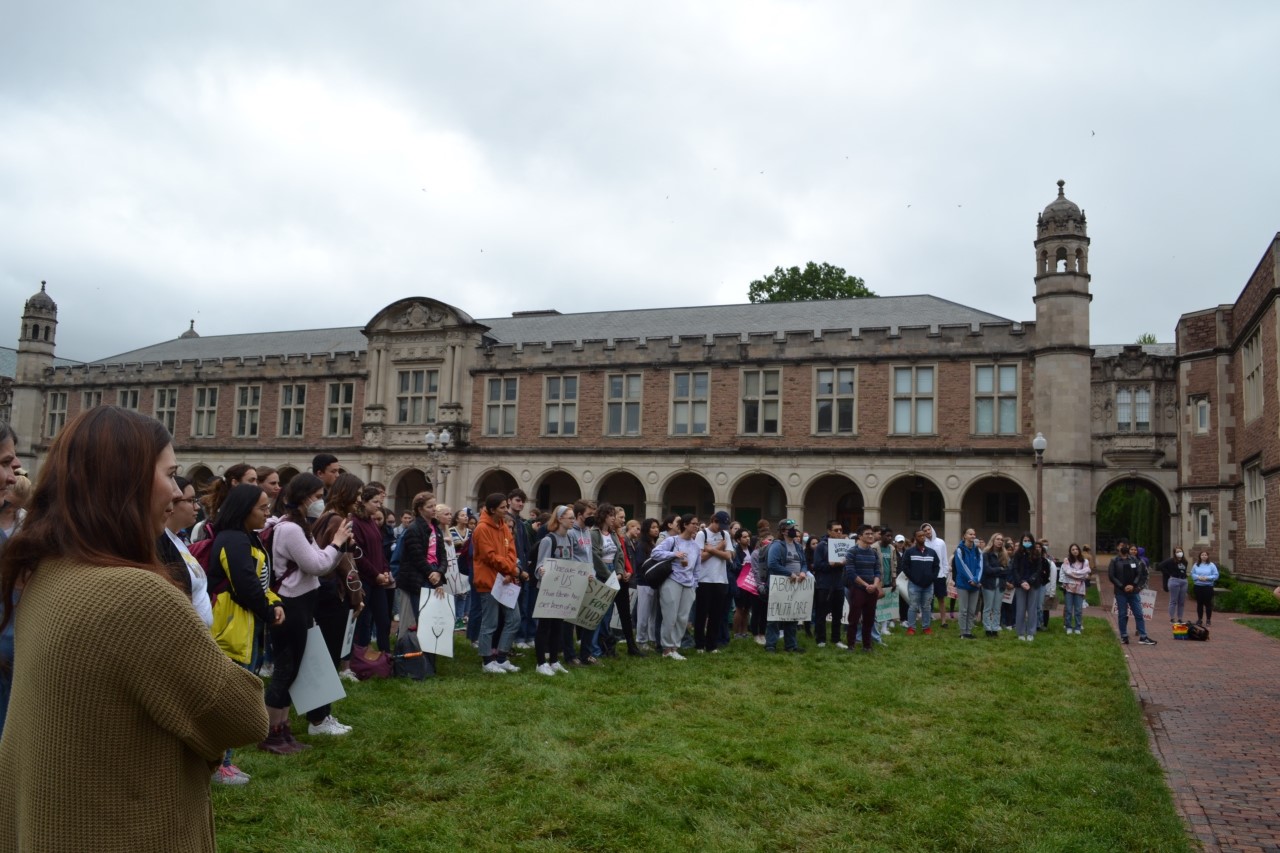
1146 641
1124 641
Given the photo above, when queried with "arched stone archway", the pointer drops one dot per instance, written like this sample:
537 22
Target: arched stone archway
1134 509
407 484
833 497
758 496
995 504
688 492
624 489
909 501
497 480
555 488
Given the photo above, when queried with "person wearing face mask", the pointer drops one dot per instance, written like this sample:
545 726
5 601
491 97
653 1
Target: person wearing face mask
1174 571
787 559
1128 576
1029 571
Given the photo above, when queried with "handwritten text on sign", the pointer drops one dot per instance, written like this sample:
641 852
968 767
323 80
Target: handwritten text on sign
790 602
562 588
597 600
836 549
1148 598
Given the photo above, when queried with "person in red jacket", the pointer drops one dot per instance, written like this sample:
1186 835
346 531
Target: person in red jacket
494 554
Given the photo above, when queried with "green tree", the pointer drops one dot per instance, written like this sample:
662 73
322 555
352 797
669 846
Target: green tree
815 281
1147 338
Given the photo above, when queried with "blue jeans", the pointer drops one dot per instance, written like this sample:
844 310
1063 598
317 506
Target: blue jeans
474 616
1126 601
528 625
1026 609
1075 609
489 625
921 604
788 630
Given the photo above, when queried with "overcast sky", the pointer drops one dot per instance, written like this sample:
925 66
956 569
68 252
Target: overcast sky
280 165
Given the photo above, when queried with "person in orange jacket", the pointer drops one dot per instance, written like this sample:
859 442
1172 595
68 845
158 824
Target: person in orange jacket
494 554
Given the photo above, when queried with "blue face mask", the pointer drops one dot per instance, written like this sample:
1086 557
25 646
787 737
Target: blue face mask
1027 545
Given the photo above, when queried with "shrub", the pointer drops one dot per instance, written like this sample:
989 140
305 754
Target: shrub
1247 598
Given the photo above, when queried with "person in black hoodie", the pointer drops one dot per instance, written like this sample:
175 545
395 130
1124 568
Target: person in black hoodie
1029 572
1128 577
828 586
422 565
1174 570
920 564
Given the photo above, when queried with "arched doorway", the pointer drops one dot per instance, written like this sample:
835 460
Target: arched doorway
624 489
1137 511
556 488
909 502
758 496
408 484
995 504
496 480
688 492
833 497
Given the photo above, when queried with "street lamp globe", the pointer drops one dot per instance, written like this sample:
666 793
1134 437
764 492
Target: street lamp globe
1039 443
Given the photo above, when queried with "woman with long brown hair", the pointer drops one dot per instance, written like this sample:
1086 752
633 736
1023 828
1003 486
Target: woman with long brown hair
340 592
216 492
115 668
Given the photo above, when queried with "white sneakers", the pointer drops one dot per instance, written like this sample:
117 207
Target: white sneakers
840 645
328 726
509 666
493 668
545 669
559 667
674 655
347 675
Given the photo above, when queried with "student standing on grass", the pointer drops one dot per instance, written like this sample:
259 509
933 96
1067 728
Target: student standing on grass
677 592
920 563
995 581
828 586
939 546
1174 571
1075 571
968 562
646 604
760 572
786 559
863 585
711 600
555 545
1204 574
1128 576
494 555
743 600
1029 571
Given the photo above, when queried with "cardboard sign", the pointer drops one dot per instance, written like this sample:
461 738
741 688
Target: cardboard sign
790 602
435 622
596 601
563 586
836 549
317 682
1148 597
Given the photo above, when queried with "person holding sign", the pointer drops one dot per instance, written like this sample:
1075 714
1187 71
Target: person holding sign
677 592
495 554
828 587
122 700
555 545
1128 576
863 585
786 559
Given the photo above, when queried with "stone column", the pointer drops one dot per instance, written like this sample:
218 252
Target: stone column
871 515
953 526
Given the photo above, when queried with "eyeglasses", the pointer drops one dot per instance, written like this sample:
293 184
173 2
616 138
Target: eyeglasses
191 501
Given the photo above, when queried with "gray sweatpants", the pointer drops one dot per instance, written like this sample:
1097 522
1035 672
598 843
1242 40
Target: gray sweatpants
676 601
967 600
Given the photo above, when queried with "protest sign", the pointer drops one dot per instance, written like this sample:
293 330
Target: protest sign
349 637
1148 597
836 549
596 601
317 682
788 601
887 607
562 588
507 593
435 623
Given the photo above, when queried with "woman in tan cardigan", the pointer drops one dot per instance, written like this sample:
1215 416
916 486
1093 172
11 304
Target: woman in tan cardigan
111 734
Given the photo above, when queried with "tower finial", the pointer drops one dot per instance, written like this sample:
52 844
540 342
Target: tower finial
42 284
192 327
1061 184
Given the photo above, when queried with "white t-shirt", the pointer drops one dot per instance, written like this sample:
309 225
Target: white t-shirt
939 547
713 569
199 582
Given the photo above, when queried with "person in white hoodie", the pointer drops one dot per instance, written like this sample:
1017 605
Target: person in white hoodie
939 546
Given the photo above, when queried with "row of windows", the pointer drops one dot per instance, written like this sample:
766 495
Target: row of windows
339 412
834 402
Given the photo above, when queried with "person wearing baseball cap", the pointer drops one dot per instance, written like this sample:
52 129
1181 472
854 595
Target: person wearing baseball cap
711 599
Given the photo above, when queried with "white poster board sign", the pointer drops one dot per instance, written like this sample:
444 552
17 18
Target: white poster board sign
348 639
317 682
836 549
788 601
435 623
562 588
508 594
596 601
1148 597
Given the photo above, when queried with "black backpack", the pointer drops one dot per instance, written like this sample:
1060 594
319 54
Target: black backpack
1197 632
409 660
657 569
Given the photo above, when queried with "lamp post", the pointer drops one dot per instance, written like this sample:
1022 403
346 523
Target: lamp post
438 447
1038 444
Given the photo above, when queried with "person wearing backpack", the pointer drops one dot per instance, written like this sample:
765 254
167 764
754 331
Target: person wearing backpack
711 598
556 544
298 562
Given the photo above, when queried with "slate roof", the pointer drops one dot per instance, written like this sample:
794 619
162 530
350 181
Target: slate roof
1113 350
9 362
882 311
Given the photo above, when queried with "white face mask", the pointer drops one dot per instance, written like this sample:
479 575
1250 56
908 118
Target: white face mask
1178 554
315 509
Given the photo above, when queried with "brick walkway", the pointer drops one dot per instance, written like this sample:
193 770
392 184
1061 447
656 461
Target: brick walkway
1213 710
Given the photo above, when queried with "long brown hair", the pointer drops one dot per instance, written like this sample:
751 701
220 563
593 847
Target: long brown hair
216 492
92 501
344 494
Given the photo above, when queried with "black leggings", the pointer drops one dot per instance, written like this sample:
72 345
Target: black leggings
1204 602
759 610
710 605
548 640
288 642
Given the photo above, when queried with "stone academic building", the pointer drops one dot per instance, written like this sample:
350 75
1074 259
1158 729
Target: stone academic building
891 410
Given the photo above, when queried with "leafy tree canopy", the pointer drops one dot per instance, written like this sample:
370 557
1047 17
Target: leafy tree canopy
1147 338
815 281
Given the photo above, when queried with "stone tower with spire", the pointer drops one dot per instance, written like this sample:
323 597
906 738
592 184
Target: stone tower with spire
36 339
1063 361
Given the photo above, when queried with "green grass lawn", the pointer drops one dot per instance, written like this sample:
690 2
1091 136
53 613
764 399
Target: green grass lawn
930 744
1270 627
